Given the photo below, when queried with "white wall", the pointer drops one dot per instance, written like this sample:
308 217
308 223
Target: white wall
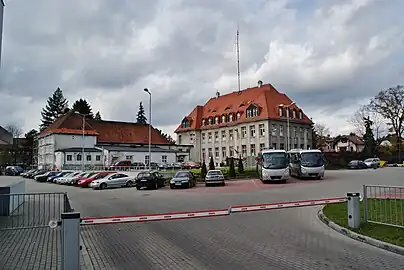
348 145
114 156
62 158
68 141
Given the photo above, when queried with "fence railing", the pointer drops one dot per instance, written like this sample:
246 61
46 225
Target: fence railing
384 205
31 210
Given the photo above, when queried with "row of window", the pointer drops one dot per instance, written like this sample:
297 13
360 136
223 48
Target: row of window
98 158
285 112
234 152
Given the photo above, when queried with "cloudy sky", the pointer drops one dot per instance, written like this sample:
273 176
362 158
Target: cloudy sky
327 55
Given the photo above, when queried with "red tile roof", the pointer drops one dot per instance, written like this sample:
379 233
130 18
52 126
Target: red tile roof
106 131
266 99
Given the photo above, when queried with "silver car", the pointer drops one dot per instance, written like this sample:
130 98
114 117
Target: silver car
113 180
214 177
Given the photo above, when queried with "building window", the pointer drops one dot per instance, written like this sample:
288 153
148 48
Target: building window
308 147
210 121
216 120
216 136
282 146
244 150
210 137
302 146
203 154
262 130
209 152
78 157
231 117
300 115
224 154
295 146
98 158
69 157
243 132
294 114
238 116
273 130
274 145
252 131
252 112
203 137
185 124
129 157
252 148
203 122
295 132
179 139
301 133
146 159
223 135
164 159
223 119
262 146
281 130
280 111
216 152
230 134
231 150
88 157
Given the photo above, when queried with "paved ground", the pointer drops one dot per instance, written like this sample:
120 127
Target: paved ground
281 239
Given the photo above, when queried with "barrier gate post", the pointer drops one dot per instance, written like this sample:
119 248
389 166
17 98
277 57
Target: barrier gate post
354 210
70 241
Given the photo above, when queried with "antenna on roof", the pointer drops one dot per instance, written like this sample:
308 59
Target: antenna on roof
238 57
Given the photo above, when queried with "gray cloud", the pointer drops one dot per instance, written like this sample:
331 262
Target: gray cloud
327 55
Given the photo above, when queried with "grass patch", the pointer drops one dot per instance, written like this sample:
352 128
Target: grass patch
380 210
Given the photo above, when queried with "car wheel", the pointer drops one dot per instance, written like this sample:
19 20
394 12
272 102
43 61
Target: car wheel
156 185
129 184
206 184
103 186
138 188
172 187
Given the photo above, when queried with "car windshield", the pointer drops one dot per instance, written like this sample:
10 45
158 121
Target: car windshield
181 174
215 173
274 160
369 160
101 175
143 175
312 159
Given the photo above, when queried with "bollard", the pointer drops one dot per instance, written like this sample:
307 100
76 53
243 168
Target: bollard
70 241
354 210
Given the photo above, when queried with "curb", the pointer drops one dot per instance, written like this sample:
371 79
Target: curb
359 237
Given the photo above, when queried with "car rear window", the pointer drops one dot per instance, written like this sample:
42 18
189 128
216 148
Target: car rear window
215 173
181 174
143 174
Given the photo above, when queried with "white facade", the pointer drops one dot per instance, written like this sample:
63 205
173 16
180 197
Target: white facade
135 156
348 146
245 139
1 25
74 159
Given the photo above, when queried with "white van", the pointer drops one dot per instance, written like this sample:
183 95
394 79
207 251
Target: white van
272 165
306 163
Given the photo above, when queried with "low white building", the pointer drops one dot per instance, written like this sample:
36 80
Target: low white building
104 142
349 143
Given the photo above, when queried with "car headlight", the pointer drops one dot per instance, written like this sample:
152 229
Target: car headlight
304 170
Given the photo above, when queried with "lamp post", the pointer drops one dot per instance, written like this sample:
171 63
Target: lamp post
288 123
83 128
150 106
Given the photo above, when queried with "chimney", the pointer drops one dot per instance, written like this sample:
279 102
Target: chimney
217 94
259 84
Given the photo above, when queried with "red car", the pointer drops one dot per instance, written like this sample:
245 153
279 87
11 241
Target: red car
191 165
86 181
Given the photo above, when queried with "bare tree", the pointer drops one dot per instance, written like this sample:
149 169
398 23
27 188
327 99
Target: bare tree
322 130
358 121
15 130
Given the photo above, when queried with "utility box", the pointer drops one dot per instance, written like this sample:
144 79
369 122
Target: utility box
354 210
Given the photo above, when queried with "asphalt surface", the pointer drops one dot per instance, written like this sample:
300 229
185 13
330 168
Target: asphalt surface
278 239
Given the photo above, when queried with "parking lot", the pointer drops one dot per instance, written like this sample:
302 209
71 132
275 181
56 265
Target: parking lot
278 239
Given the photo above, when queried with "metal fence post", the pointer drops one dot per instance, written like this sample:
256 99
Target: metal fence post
365 204
70 241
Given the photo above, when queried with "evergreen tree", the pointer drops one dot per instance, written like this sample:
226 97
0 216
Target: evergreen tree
204 170
232 170
240 166
211 164
97 116
314 139
370 142
83 107
141 117
56 105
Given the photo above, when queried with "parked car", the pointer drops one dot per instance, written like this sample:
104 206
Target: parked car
13 170
44 177
151 180
85 182
191 165
38 172
138 165
113 180
74 180
372 162
25 174
357 164
122 165
30 173
214 177
60 174
183 179
66 178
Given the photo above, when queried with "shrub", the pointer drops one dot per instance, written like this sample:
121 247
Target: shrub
232 170
240 166
211 164
203 171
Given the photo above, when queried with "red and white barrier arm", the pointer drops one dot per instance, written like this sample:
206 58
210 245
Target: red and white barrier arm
281 205
155 217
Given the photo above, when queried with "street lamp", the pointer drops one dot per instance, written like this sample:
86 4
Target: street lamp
288 123
150 105
83 137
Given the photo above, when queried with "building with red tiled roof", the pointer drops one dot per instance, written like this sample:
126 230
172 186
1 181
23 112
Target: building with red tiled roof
242 123
104 143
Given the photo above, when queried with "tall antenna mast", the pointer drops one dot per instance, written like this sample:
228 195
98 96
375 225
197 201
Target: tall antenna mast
238 58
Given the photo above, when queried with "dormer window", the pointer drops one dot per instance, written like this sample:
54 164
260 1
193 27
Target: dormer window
287 112
223 118
203 122
216 120
231 117
294 114
280 111
300 115
252 111
185 123
238 116
210 121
